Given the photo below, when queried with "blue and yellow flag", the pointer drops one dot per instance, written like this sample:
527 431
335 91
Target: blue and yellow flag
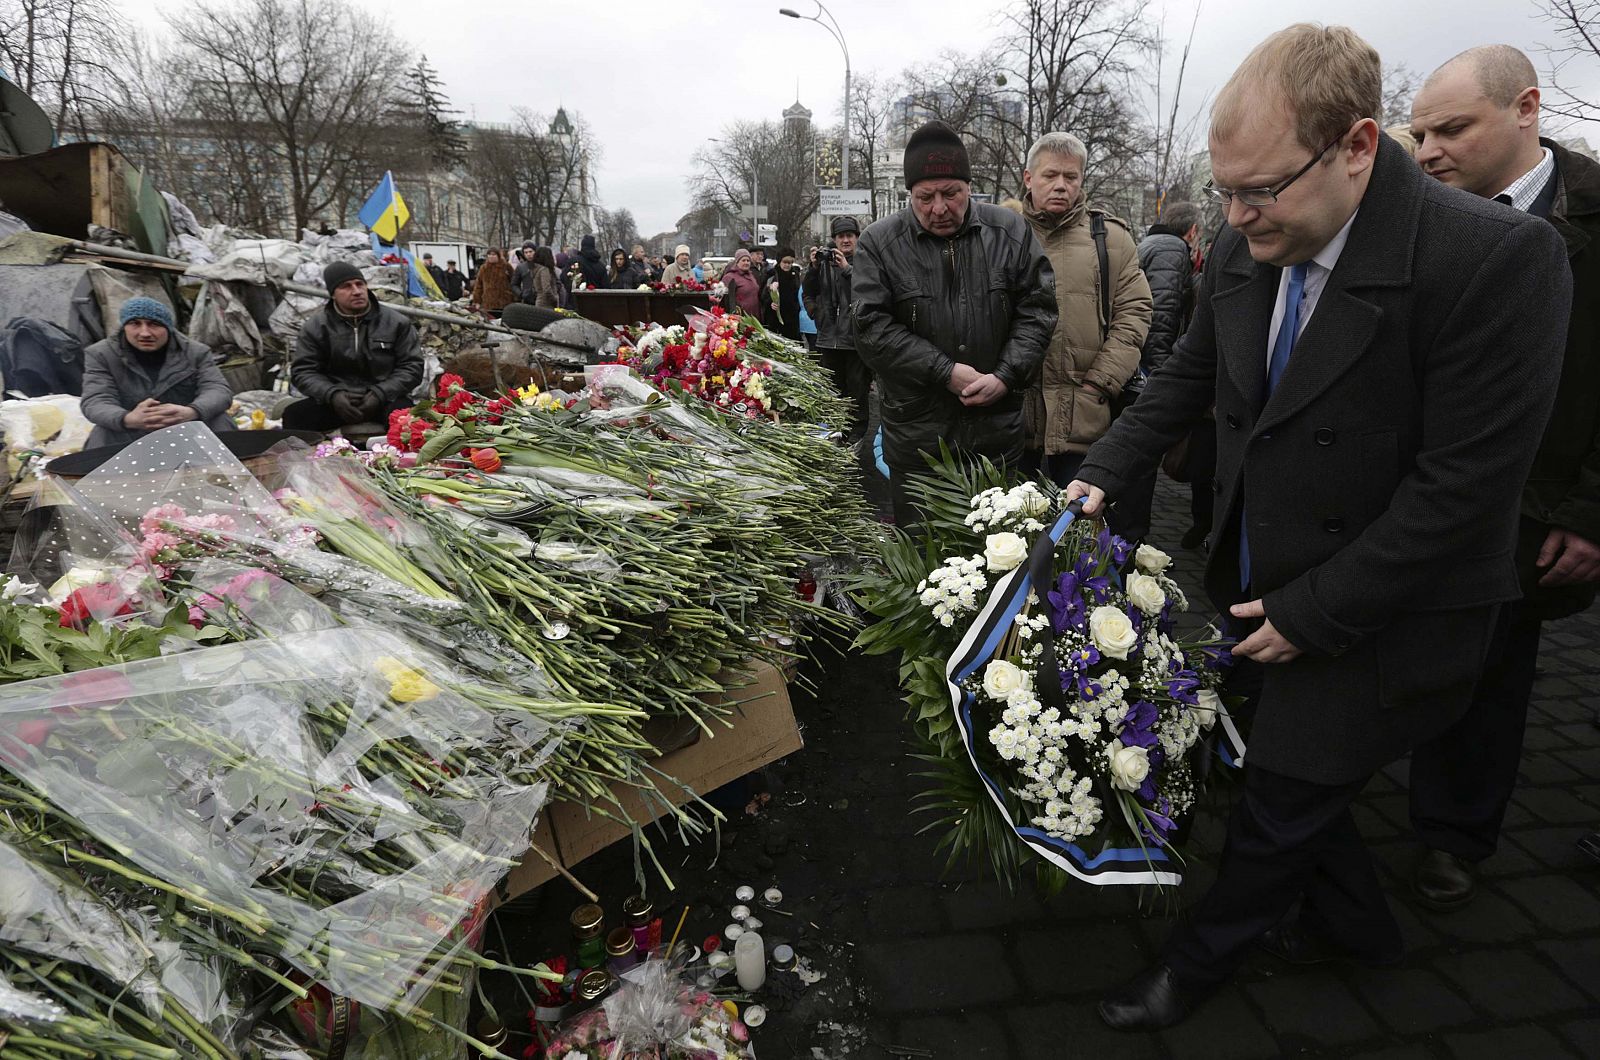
385 211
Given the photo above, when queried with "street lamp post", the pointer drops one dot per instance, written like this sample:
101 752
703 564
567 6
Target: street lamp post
832 26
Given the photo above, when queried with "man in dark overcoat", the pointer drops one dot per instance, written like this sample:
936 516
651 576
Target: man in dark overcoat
1354 331
1476 123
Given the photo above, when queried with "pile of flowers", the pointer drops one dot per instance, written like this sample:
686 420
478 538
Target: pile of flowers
682 283
708 362
1069 693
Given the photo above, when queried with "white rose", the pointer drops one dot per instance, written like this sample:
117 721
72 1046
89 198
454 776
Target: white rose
1111 631
1145 592
1128 766
1004 551
1001 679
1209 708
1151 560
1034 502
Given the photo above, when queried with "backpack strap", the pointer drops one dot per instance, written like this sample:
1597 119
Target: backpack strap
1097 229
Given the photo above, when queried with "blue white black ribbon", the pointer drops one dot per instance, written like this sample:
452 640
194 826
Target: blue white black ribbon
1112 865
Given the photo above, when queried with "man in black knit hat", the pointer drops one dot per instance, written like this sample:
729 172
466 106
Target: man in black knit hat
356 361
954 308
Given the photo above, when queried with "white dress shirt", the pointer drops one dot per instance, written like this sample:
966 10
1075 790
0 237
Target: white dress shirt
1526 188
1318 269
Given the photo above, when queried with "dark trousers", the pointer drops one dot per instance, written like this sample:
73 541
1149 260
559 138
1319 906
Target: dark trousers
1202 467
1288 840
309 415
907 515
1461 782
853 380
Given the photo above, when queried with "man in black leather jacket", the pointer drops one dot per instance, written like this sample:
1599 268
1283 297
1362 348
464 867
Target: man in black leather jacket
356 361
954 307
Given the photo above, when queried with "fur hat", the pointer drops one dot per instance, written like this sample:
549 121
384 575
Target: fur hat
680 249
841 225
935 152
146 309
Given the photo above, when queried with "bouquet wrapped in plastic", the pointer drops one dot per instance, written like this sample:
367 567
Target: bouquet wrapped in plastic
654 1013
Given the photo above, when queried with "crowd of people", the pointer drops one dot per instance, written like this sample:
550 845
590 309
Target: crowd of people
1381 374
1379 371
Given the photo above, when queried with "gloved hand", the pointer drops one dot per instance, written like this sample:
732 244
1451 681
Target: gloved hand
347 406
372 405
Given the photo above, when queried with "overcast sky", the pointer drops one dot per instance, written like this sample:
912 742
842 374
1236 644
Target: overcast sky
655 78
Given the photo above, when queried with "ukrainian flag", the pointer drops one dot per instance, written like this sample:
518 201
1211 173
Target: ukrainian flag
385 211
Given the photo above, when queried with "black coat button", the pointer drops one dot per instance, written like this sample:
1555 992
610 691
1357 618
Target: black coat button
1232 422
1325 435
1334 525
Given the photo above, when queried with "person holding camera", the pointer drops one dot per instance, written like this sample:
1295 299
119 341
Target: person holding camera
826 291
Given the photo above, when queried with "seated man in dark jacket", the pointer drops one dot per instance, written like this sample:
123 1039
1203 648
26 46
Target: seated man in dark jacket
356 361
147 376
954 307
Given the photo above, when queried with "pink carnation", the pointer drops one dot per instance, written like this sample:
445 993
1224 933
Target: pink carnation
216 521
155 543
160 515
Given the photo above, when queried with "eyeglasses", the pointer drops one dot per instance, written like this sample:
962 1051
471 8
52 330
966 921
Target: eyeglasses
1265 196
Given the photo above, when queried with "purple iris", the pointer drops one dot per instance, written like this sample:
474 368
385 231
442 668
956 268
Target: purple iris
1138 725
1185 688
1095 587
1162 820
1119 548
1067 610
1221 656
1078 661
1088 687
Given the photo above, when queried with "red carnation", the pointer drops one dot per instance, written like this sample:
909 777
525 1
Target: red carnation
98 601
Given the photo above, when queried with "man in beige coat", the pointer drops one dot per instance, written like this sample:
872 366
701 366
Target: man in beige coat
1104 318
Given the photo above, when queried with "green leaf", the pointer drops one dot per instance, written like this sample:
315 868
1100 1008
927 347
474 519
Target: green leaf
445 441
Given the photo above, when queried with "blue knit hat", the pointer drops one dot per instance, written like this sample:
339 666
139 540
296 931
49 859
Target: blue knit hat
147 309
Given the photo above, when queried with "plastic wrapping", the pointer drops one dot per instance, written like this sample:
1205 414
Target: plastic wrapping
296 788
654 1012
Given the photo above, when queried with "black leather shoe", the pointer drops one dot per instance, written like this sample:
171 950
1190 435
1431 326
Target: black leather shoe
1292 943
1590 845
1444 882
1194 537
1149 1001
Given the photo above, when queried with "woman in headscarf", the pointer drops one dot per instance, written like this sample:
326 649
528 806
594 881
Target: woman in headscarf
744 287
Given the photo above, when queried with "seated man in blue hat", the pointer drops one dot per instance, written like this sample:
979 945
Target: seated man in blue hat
148 376
356 361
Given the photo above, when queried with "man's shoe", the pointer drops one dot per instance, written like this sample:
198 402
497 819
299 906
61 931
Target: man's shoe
1444 882
1293 944
1194 537
1590 845
1149 1001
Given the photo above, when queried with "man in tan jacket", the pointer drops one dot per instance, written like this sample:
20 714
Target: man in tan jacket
1105 309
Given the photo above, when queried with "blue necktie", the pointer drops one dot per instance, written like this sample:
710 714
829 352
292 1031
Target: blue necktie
1281 348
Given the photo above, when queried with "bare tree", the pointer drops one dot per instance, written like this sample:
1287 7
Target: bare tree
532 177
775 158
1576 57
616 228
1400 85
1059 65
871 128
55 50
295 96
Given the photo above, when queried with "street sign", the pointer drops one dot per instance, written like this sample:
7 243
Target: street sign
768 234
720 233
845 201
760 212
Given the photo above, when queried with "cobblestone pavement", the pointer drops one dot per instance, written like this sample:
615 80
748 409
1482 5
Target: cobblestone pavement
933 964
